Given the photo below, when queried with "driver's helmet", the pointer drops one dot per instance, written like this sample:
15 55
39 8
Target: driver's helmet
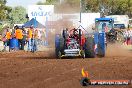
75 32
103 25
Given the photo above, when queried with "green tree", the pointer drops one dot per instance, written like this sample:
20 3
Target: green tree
92 5
4 10
40 3
112 7
129 4
48 2
115 7
17 15
51 1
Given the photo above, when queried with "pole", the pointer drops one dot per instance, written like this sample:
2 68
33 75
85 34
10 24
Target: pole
35 23
80 10
33 41
81 16
46 42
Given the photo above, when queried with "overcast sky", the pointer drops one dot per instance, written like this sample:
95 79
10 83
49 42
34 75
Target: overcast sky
23 3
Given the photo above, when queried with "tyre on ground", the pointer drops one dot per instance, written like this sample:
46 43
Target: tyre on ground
89 47
59 46
101 45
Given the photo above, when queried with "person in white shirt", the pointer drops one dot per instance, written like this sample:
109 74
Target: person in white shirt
130 34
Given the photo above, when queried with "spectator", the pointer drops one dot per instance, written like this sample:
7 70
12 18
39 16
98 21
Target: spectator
125 36
19 36
6 38
24 35
35 40
39 37
130 36
30 37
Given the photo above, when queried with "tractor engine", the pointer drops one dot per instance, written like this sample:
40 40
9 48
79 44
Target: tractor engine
72 38
72 44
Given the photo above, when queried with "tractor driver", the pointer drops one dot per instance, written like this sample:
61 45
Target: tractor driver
75 34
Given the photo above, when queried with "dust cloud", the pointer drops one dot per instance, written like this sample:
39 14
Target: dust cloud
117 50
61 23
68 7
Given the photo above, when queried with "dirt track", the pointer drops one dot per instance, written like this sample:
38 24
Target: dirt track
27 70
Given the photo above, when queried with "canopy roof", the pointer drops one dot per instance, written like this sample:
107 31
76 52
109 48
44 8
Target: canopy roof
33 22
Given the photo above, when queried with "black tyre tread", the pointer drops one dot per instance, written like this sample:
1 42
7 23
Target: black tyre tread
61 42
100 53
89 47
60 47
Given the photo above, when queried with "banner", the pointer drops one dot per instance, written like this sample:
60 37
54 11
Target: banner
41 12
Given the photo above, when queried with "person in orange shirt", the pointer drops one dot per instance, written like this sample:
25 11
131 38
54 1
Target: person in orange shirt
19 36
35 36
30 38
6 39
8 35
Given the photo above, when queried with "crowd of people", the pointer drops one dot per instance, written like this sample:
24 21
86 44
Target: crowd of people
23 36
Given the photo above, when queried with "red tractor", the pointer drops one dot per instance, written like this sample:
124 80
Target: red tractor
74 43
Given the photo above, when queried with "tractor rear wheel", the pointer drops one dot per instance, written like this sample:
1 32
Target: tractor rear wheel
59 46
83 54
89 47
100 52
